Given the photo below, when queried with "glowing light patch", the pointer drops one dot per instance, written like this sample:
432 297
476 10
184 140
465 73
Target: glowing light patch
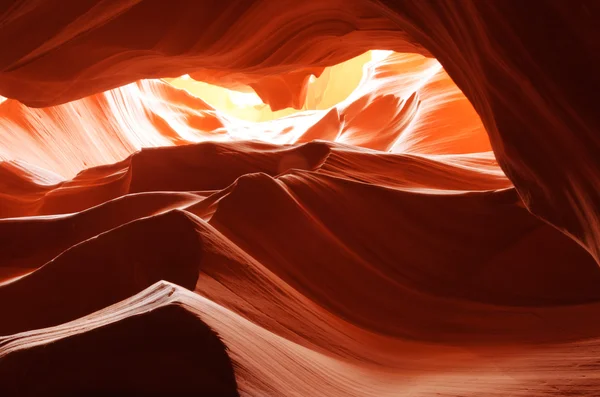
380 55
380 100
244 99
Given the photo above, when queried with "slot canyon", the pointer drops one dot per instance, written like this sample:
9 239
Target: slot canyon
316 198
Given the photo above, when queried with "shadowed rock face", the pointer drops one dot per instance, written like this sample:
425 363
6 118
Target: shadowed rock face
165 352
344 277
101 271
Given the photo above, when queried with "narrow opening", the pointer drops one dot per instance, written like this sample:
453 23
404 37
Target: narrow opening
381 100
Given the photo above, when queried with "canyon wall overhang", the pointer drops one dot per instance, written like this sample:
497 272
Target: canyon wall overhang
529 68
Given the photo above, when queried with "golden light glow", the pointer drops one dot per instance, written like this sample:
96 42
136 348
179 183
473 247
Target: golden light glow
334 85
380 100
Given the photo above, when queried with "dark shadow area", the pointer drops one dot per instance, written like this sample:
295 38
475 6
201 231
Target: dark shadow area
165 352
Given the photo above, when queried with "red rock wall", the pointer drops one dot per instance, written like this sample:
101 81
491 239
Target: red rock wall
529 69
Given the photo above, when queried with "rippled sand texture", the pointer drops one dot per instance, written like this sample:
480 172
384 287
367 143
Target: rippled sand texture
285 198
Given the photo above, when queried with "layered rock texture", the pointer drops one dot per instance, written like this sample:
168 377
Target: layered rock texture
285 198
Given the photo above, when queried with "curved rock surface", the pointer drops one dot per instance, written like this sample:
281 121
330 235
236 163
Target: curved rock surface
507 57
359 273
405 199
